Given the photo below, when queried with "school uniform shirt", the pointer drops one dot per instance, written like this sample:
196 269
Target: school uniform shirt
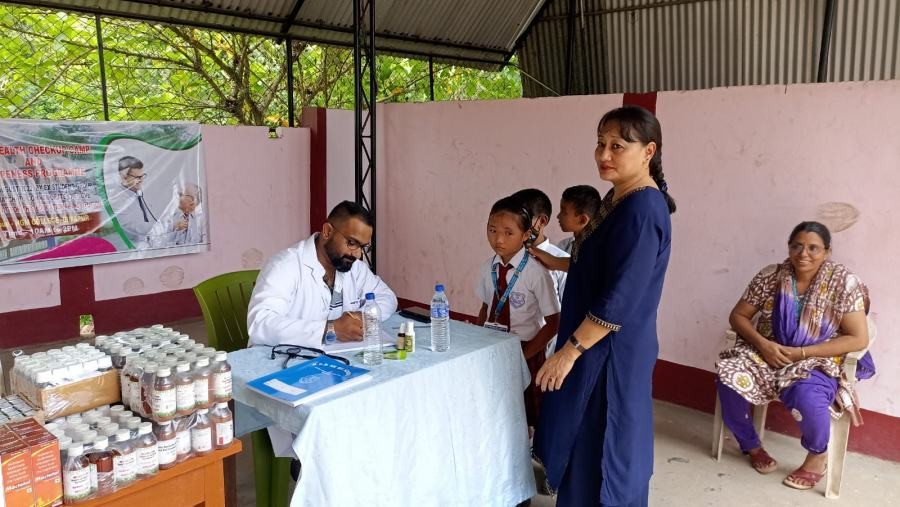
291 302
566 244
531 298
559 277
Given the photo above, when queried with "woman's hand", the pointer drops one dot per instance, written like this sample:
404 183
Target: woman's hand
777 356
551 375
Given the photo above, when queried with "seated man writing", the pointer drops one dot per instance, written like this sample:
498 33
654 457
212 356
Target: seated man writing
303 288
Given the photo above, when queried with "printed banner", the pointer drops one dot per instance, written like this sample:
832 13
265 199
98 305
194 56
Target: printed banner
81 193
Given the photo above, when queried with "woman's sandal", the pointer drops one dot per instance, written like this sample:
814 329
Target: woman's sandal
803 479
762 462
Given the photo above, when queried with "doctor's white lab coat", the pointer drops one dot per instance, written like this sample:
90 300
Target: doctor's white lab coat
291 302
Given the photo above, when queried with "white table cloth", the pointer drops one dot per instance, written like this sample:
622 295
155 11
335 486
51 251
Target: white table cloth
436 429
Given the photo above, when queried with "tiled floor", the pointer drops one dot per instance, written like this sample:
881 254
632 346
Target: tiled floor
685 474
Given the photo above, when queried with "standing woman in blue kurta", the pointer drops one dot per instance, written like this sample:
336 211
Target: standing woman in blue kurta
595 436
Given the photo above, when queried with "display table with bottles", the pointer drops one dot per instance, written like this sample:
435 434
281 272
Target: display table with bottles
197 481
433 429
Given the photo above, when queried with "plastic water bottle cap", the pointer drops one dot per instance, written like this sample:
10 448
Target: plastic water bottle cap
439 288
370 296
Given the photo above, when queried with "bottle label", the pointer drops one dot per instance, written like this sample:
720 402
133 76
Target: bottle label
168 451
224 433
201 439
201 390
126 389
184 442
185 398
106 481
440 311
147 460
125 467
134 397
77 483
222 384
164 403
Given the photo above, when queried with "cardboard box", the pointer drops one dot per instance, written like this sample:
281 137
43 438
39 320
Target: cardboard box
15 469
46 478
74 397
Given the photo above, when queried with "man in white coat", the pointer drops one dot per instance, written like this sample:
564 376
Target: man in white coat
134 215
303 288
318 281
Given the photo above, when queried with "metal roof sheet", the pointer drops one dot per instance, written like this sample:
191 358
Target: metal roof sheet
469 32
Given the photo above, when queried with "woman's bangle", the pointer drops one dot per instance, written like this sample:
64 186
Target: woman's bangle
802 353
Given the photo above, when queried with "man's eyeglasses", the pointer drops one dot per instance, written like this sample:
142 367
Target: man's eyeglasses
797 249
141 177
352 244
291 352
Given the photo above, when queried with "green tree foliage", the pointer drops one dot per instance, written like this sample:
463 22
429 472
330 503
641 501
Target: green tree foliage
164 72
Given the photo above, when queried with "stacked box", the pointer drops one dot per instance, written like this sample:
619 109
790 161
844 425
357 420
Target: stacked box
30 464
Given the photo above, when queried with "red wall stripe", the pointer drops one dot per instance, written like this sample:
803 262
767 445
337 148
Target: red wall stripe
314 118
645 100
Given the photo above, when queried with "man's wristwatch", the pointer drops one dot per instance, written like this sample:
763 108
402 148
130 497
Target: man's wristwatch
575 343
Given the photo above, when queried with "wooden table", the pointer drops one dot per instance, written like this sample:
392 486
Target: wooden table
197 481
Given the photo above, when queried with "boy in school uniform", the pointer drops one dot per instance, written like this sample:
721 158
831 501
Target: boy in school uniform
517 293
577 209
541 210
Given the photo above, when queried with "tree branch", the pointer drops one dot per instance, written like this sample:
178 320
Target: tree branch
50 84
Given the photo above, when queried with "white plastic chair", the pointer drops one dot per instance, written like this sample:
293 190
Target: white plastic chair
840 429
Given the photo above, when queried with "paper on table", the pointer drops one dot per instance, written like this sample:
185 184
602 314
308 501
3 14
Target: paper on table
341 347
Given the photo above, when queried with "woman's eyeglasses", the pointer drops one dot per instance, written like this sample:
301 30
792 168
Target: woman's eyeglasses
797 249
291 352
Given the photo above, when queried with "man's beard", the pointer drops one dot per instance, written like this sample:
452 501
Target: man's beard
341 263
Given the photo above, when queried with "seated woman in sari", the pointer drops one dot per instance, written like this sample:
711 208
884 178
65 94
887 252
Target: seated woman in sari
812 311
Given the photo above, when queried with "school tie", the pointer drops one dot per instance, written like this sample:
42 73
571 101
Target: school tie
502 283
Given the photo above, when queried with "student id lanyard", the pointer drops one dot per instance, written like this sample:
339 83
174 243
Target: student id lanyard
501 301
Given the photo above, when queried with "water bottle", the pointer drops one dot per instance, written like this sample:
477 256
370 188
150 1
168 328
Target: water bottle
440 320
371 316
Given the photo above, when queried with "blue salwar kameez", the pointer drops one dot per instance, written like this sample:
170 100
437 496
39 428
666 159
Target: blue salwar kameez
595 436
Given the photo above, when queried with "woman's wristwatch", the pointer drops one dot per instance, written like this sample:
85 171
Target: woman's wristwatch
575 343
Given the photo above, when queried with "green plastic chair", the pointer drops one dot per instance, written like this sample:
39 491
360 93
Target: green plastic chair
224 300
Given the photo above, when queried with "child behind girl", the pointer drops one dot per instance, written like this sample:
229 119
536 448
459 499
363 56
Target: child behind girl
517 293
577 210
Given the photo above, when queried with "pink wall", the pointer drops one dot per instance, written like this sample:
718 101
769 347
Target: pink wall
257 203
339 172
746 164
445 165
25 291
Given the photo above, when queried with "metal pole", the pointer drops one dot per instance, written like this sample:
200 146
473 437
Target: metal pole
373 100
431 77
357 104
827 29
570 48
102 67
289 54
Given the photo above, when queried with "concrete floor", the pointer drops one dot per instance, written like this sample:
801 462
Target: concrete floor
685 474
